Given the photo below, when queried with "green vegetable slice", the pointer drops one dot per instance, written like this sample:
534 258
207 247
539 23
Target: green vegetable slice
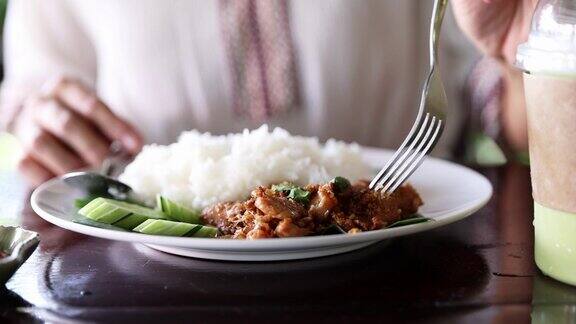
177 212
105 213
416 219
130 221
89 207
205 231
171 228
109 211
89 222
168 228
81 202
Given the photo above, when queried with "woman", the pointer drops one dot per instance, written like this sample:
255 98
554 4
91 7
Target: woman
80 74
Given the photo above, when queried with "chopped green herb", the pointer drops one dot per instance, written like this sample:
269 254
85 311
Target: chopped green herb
293 192
299 195
341 184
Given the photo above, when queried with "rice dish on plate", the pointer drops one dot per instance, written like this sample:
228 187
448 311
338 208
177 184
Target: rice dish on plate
201 169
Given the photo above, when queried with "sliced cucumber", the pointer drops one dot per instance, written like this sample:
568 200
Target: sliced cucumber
106 213
81 202
130 221
111 211
171 228
90 206
168 228
177 212
205 231
89 222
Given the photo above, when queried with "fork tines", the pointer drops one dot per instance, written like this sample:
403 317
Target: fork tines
409 156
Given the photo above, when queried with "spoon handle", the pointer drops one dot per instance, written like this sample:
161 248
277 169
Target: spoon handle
115 153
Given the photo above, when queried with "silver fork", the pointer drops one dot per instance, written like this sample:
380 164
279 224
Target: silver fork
429 123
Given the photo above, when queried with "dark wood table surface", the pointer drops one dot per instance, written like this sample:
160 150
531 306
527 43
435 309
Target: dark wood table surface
478 270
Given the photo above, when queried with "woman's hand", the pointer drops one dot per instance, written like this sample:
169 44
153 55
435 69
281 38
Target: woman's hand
497 27
68 127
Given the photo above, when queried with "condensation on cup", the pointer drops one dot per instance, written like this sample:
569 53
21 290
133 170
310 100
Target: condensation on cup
548 60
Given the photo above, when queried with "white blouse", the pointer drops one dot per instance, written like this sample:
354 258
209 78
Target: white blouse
162 66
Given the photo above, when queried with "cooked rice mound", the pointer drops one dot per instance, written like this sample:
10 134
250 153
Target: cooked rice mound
201 169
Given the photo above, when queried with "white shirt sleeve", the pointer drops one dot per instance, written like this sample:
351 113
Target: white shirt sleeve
42 39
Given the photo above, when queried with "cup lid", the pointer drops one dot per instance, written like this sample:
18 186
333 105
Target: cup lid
551 45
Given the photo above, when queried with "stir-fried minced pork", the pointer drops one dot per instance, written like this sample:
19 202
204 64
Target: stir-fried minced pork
271 212
367 210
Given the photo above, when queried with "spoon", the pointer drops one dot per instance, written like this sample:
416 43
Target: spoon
96 184
101 183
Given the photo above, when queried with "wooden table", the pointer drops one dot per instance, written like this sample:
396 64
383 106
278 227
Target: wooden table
477 270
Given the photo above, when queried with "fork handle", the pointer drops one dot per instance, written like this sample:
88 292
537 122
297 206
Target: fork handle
435 28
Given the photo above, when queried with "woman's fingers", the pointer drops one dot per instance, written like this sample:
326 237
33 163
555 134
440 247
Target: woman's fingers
73 130
43 146
84 102
33 171
66 128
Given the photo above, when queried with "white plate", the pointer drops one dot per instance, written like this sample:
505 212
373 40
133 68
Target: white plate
450 193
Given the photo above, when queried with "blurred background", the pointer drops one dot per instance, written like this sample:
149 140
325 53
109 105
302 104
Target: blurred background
472 145
459 62
9 149
9 152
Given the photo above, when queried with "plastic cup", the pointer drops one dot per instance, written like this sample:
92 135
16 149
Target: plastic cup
549 61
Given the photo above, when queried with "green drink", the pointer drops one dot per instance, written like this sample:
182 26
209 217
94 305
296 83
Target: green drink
549 61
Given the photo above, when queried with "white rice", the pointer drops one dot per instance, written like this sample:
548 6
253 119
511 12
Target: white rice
201 169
